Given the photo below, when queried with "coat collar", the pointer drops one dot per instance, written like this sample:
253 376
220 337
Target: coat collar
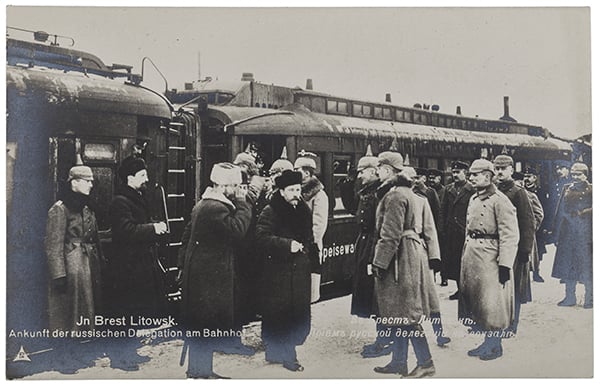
132 194
371 187
211 194
487 193
311 188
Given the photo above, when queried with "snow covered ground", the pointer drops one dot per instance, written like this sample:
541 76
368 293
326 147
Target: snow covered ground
552 341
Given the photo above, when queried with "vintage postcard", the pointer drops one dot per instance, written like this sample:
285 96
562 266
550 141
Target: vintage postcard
298 192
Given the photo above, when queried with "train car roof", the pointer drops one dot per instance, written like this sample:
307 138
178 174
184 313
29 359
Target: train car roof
90 92
303 122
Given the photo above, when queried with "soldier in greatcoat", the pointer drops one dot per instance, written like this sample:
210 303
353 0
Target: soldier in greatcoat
573 260
453 215
486 299
401 268
313 193
504 169
210 301
363 303
420 187
74 255
531 184
538 216
74 263
284 236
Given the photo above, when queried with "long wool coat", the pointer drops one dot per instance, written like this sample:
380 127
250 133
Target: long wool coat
403 296
425 227
286 278
209 291
482 298
453 215
73 252
135 274
538 215
313 193
573 259
363 303
519 198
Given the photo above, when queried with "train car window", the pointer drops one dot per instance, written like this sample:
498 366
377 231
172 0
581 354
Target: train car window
337 107
317 105
387 113
378 112
341 169
435 120
99 152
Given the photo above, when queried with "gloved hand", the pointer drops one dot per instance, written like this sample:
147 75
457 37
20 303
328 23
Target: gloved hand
60 284
503 274
523 257
379 272
436 265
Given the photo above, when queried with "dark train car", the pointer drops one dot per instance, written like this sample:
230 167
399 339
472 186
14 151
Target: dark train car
61 109
338 131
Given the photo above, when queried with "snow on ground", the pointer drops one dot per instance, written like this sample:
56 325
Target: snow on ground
552 341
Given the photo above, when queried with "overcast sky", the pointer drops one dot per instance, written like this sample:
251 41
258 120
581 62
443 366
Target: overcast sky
539 57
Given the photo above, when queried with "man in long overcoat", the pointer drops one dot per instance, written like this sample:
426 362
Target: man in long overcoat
503 167
363 302
134 271
531 185
453 215
401 268
74 263
210 301
573 260
313 193
284 237
486 299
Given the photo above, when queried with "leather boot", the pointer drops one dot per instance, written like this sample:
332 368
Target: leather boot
570 299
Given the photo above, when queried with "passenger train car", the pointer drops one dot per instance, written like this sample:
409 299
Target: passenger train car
65 105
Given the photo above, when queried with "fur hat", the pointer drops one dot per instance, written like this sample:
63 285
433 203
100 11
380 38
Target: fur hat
367 162
392 159
287 178
81 172
130 166
226 173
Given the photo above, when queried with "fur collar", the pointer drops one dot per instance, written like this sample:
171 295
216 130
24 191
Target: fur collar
398 180
298 218
133 195
311 188
75 201
370 188
211 194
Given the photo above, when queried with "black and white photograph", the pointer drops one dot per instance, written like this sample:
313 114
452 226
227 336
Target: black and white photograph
298 191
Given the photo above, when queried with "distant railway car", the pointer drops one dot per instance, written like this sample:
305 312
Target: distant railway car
338 130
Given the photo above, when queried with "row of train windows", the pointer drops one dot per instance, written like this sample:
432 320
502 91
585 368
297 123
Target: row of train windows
363 110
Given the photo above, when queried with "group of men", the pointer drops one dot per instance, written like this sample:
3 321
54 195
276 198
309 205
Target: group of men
486 222
253 246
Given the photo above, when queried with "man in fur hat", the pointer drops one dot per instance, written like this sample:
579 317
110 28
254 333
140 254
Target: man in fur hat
135 274
210 299
284 236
